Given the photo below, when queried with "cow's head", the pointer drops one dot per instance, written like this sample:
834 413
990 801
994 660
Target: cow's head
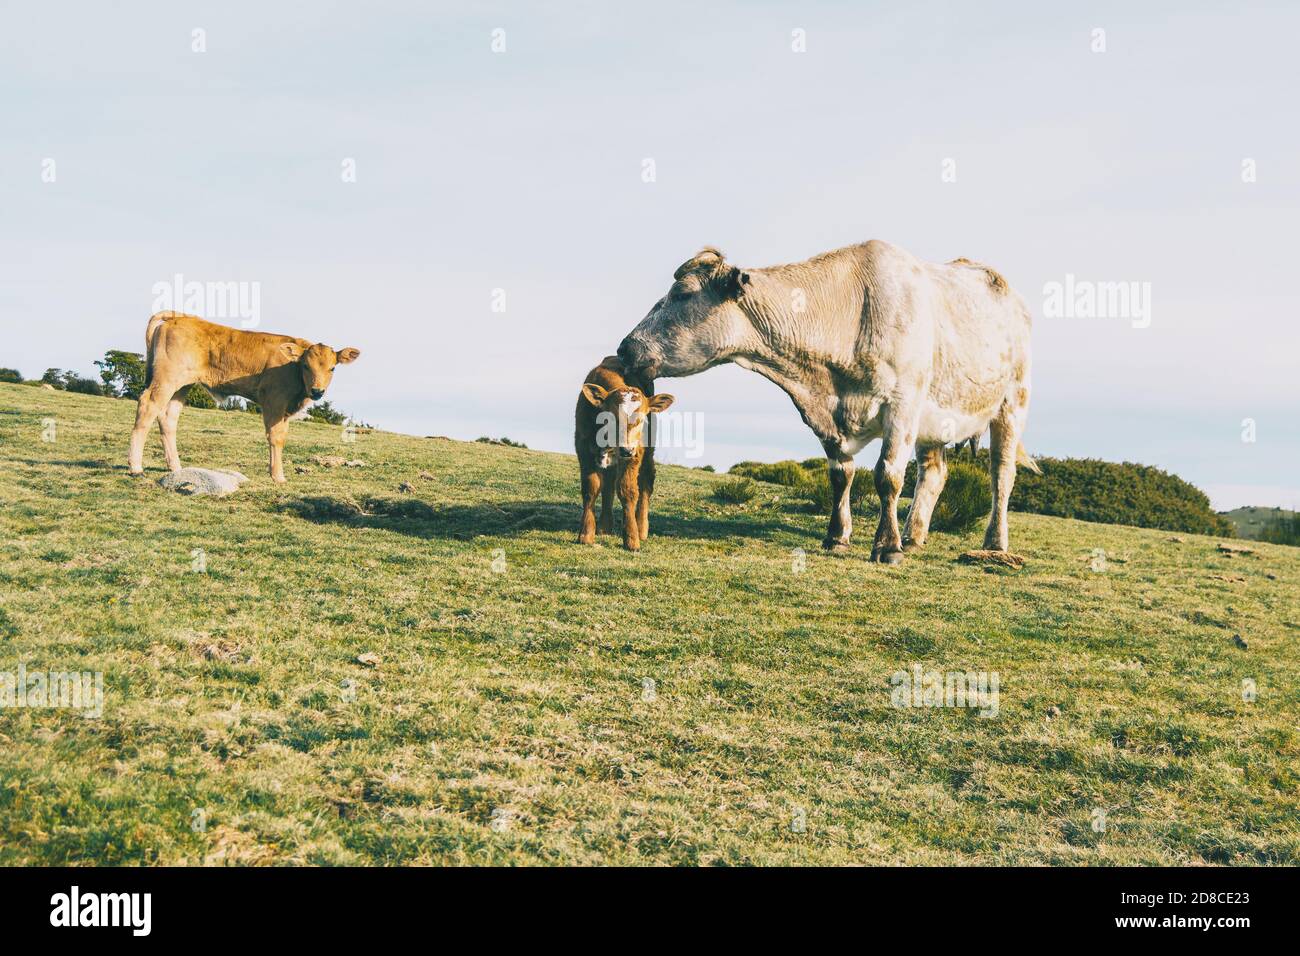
317 364
697 325
620 419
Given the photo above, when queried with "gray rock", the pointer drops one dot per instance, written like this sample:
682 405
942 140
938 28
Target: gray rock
203 481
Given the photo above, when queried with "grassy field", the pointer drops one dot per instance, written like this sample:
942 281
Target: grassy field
719 698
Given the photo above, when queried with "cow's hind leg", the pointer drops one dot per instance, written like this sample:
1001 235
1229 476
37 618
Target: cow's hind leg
590 490
167 426
1002 471
931 472
895 449
152 404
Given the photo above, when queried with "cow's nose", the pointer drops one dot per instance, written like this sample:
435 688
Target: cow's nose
628 353
316 393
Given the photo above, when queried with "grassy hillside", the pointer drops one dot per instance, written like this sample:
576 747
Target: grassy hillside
1250 521
509 718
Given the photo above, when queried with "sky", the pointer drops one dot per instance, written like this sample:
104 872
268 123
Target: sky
484 198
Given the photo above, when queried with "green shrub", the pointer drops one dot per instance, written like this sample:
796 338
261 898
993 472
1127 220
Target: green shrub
196 396
735 491
1282 529
788 473
11 375
861 492
123 373
967 498
1111 493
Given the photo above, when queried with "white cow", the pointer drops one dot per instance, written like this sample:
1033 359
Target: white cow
869 342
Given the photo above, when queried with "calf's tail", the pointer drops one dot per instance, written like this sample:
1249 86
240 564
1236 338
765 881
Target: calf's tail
150 337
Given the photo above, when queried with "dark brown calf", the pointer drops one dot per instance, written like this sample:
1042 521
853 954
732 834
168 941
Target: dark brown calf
614 441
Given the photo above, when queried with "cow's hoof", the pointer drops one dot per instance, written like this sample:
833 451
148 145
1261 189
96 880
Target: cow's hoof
136 474
632 547
836 546
910 546
888 556
587 539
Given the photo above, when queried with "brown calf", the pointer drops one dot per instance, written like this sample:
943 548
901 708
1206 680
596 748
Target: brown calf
615 448
279 372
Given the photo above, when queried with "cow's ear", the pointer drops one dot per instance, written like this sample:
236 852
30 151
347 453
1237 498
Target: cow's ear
594 393
660 403
739 280
347 355
292 351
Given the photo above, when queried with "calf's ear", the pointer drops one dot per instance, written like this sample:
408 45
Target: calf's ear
660 403
347 355
594 393
292 351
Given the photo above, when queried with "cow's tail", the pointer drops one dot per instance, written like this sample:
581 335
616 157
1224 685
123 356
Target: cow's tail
1024 461
150 340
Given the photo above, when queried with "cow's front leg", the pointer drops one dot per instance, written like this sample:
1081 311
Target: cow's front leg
841 525
894 452
628 494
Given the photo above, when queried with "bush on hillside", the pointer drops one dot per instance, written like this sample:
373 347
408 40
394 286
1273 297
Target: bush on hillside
1282 529
966 500
735 491
11 375
1111 493
861 492
788 473
1083 488
123 373
196 396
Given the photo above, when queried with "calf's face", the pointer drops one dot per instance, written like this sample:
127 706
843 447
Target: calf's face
620 420
317 365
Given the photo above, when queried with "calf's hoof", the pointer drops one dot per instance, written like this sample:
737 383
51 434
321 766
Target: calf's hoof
135 474
888 556
910 546
586 539
836 545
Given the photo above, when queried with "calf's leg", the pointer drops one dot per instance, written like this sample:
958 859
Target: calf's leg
931 472
628 493
277 428
590 489
167 426
153 403
645 488
609 479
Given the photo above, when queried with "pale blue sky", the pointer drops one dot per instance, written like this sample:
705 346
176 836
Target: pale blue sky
522 171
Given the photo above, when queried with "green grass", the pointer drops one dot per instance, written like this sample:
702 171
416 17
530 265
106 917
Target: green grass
509 720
